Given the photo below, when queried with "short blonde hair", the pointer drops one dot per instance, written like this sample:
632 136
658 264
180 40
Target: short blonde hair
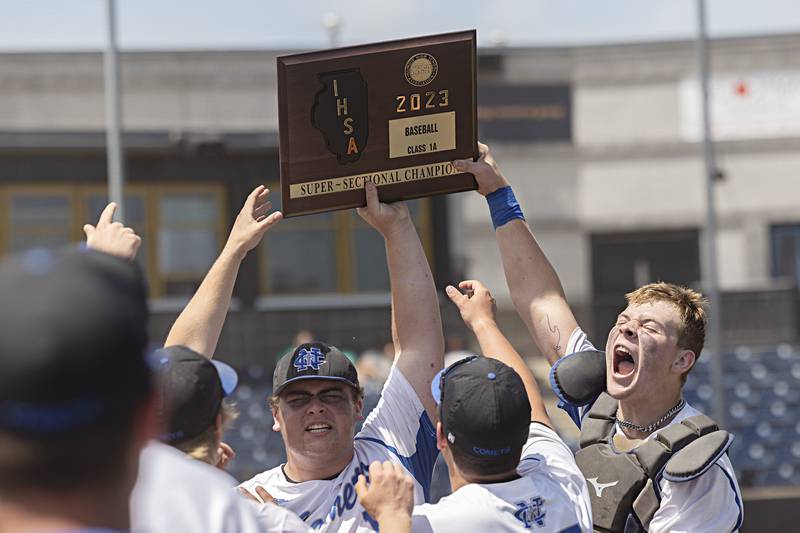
691 306
203 447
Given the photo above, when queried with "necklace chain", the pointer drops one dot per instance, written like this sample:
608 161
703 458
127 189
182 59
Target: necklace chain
655 425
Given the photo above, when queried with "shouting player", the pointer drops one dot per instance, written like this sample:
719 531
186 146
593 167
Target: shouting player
635 426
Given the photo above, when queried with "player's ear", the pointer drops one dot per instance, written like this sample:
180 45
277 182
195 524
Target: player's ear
684 361
359 408
441 441
276 426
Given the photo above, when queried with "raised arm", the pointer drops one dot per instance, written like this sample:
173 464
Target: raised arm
534 285
416 321
200 323
477 309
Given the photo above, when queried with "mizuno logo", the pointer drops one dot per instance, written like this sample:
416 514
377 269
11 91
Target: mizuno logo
600 487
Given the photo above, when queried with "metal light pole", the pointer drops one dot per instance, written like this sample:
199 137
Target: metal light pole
116 167
710 268
333 25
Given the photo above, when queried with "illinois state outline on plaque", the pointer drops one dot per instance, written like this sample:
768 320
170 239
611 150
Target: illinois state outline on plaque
340 113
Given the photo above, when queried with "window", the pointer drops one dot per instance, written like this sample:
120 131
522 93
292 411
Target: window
184 225
301 256
39 217
329 252
621 262
785 240
188 240
181 225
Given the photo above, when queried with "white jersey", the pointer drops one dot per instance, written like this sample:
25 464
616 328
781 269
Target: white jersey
550 495
397 430
176 493
709 503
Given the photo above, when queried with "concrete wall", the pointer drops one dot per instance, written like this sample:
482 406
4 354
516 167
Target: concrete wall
174 91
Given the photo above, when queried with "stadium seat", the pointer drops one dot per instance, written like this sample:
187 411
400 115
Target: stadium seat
762 397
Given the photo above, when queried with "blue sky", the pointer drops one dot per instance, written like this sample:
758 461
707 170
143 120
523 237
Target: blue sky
215 24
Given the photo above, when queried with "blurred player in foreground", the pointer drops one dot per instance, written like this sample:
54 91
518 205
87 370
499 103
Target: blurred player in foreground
76 401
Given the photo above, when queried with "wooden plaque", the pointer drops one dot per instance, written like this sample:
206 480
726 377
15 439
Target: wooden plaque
395 113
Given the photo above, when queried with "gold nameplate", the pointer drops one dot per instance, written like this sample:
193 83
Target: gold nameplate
422 134
357 181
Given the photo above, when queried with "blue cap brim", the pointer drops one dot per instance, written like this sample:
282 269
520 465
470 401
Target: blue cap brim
436 383
436 386
227 375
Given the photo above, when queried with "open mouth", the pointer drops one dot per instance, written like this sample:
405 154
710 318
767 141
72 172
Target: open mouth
624 363
317 429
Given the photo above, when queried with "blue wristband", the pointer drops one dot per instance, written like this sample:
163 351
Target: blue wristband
503 206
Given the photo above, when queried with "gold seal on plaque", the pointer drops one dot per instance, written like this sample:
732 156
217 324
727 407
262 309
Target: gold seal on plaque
421 69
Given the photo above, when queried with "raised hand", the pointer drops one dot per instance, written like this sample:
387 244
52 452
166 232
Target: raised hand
485 170
252 222
476 304
385 218
111 237
200 324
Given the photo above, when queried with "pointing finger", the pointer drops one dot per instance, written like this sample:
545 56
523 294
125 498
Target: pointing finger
107 216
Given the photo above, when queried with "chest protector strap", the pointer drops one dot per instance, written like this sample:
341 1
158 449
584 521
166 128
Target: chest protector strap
624 487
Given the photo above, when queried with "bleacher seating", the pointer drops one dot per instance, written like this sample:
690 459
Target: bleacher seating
762 396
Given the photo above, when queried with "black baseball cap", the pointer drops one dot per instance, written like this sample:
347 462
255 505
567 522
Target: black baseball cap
191 388
313 360
73 337
483 408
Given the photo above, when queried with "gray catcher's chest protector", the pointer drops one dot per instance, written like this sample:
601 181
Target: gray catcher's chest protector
624 486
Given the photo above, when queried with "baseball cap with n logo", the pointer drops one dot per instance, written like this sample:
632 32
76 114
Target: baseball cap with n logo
313 360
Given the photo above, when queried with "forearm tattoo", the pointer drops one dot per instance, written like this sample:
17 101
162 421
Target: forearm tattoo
554 329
